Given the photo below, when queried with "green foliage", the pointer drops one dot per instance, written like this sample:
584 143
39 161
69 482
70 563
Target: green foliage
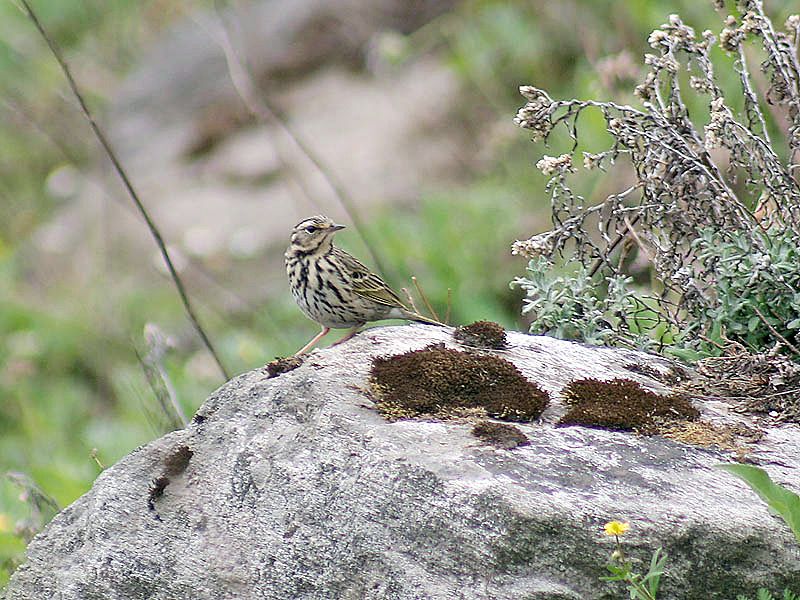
640 587
12 549
492 43
573 306
781 500
621 567
753 273
719 239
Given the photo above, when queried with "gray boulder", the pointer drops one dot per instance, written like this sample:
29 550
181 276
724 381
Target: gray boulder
296 487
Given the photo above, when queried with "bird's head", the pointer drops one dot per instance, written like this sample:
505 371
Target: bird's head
313 235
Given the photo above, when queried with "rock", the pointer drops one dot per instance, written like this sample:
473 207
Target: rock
296 487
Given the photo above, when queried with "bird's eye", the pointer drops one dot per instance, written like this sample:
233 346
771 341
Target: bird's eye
310 229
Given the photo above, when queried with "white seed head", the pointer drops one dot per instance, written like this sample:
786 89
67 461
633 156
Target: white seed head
550 165
657 38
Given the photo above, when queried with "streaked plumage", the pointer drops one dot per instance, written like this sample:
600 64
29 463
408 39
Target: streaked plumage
334 288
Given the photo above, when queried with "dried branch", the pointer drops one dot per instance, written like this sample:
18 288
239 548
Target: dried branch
410 299
424 298
775 332
722 240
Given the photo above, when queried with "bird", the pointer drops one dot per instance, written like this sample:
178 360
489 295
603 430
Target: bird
333 287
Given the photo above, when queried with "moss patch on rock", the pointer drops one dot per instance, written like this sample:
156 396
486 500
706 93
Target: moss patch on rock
176 462
624 405
438 380
282 365
482 334
499 435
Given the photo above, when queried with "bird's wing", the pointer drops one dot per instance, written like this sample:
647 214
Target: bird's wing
366 283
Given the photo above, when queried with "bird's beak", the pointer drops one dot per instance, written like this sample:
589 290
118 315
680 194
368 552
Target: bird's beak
336 227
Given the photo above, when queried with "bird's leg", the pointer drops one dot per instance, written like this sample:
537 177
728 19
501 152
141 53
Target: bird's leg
350 334
311 344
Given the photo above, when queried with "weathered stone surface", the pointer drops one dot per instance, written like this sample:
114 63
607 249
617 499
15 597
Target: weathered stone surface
295 487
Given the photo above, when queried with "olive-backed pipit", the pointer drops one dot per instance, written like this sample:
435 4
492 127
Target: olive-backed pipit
334 288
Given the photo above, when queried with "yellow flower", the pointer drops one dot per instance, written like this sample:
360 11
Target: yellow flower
616 528
5 523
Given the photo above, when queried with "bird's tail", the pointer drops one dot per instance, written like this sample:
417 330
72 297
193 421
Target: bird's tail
412 316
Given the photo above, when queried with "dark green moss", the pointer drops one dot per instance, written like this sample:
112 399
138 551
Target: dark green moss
624 405
482 334
176 462
436 379
500 435
281 365
157 487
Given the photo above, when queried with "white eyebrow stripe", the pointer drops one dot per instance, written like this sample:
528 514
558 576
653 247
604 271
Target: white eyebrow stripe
317 221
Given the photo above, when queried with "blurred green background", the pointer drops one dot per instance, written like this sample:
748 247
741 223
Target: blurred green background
71 387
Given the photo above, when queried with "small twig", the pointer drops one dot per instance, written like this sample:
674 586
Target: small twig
637 239
613 245
710 341
775 332
127 183
93 455
158 344
424 298
174 420
41 504
410 299
449 306
171 393
627 246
